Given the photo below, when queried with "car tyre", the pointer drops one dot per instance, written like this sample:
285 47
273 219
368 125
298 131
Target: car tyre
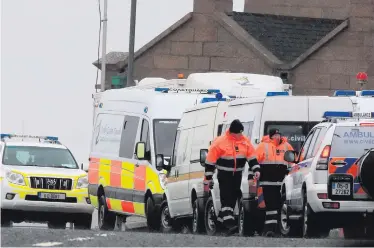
287 228
210 218
106 219
153 216
198 225
165 218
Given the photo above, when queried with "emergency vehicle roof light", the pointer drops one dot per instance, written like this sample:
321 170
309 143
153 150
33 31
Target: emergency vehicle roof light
336 114
277 93
211 99
345 93
188 90
52 138
367 93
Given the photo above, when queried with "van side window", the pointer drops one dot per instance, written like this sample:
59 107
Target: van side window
130 129
175 149
145 137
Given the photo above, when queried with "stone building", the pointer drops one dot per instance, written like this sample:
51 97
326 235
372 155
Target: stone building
316 45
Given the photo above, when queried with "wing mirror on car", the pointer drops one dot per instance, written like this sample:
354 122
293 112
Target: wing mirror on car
203 155
290 156
84 167
140 150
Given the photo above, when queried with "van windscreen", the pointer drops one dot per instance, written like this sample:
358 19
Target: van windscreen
295 132
352 141
164 135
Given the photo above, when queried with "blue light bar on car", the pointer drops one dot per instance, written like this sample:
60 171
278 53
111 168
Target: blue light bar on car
188 90
367 93
345 93
341 114
277 93
211 99
52 138
5 135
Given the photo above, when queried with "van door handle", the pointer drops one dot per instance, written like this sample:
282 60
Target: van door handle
339 162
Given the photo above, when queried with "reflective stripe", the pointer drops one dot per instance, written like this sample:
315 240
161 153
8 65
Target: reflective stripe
250 172
271 222
232 157
227 209
230 217
228 169
219 219
209 163
266 152
251 158
271 212
275 162
271 183
208 173
256 167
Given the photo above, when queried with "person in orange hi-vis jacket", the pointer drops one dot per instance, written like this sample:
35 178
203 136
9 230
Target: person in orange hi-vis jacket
270 155
228 154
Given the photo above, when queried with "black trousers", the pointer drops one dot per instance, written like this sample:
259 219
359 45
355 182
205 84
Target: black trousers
229 187
272 198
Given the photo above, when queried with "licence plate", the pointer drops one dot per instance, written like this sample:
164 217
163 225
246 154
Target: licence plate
341 188
52 196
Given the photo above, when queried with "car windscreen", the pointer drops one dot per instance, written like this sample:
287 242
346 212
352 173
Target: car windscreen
295 132
352 141
164 135
39 156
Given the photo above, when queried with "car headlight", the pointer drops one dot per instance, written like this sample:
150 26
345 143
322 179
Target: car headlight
163 180
15 178
82 182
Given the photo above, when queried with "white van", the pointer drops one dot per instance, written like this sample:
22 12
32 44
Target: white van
133 126
185 192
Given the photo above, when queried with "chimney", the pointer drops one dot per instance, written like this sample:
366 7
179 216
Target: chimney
210 6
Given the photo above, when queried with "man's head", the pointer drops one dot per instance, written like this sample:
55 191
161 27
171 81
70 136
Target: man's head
236 128
275 135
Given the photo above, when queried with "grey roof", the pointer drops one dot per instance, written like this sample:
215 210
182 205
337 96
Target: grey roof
112 58
287 37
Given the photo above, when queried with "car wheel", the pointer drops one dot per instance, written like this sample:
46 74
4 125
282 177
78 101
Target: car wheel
83 222
153 218
287 228
106 219
246 222
197 219
166 220
210 219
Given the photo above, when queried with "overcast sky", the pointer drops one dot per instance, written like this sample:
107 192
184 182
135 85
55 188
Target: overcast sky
47 50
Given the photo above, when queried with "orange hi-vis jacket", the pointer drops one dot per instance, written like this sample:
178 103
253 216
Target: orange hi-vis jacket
230 154
270 153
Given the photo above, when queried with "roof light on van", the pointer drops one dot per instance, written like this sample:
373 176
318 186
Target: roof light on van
188 90
52 138
340 114
211 99
345 93
367 93
277 93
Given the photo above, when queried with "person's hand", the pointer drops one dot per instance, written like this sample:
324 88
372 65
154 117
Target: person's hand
210 183
257 174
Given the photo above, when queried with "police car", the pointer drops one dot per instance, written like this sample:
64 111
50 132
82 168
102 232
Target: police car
323 189
41 182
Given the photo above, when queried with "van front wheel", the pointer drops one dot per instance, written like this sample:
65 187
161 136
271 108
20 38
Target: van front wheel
153 217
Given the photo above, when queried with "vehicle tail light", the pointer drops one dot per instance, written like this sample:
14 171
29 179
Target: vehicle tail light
331 205
322 162
367 124
322 195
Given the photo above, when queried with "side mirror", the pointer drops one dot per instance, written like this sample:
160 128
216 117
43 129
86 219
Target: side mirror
203 155
84 167
290 156
160 164
140 150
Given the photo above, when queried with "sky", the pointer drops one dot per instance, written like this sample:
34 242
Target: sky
47 50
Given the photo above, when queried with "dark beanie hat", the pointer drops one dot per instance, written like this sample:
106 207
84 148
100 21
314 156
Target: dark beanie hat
273 131
236 126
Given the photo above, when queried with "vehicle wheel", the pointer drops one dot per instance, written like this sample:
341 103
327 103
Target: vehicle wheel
83 222
286 228
106 219
166 220
311 227
246 221
55 224
210 218
198 224
153 218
